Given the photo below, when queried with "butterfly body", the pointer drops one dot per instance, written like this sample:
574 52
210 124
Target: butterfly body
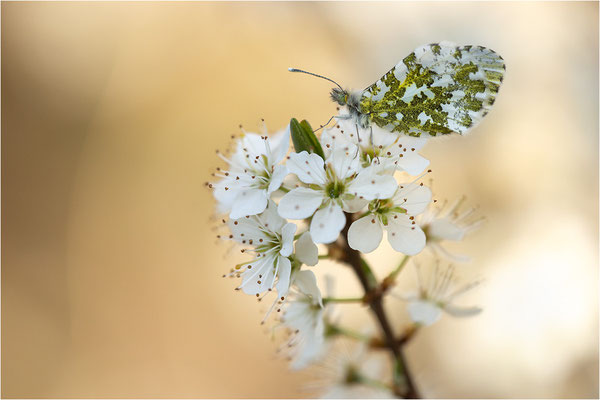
436 90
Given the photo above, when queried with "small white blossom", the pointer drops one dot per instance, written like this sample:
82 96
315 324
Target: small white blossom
452 225
304 316
253 174
353 373
436 295
378 147
272 240
395 215
336 184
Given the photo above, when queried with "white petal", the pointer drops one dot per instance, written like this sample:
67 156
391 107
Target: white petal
413 163
309 168
403 236
344 161
279 174
306 282
413 142
424 312
249 202
287 239
283 273
370 185
437 248
443 229
354 204
461 311
225 197
365 234
383 137
300 203
414 198
333 138
247 230
310 342
260 277
270 218
306 251
407 296
253 145
312 348
280 144
327 223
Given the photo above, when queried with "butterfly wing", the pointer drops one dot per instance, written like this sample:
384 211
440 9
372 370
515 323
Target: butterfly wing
438 89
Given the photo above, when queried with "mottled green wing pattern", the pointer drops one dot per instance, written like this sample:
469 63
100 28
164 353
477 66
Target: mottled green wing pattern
438 89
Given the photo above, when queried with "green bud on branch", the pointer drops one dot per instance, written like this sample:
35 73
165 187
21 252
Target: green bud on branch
304 138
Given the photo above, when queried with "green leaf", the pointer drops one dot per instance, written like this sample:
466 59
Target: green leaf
304 138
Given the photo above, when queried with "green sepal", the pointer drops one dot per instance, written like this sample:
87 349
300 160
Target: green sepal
304 138
371 280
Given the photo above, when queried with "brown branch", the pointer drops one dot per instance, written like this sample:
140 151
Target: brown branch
374 298
402 340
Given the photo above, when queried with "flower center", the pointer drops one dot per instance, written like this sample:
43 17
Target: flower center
334 189
385 209
272 244
368 154
352 375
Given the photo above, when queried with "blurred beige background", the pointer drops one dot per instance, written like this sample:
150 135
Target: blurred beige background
111 112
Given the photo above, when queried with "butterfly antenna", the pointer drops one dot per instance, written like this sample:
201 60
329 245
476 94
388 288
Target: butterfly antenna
318 76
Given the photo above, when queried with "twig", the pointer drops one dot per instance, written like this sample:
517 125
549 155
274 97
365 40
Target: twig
403 384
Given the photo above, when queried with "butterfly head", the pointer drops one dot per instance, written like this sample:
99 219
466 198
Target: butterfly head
340 96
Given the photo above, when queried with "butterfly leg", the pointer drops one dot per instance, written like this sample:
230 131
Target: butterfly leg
357 140
332 117
372 143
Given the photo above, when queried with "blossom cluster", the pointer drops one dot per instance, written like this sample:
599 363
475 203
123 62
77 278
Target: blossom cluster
280 202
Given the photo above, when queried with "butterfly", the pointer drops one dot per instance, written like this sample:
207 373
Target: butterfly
439 88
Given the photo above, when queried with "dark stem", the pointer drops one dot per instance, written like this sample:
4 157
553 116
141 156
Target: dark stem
403 384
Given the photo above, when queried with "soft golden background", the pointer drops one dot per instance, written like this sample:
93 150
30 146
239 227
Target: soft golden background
111 112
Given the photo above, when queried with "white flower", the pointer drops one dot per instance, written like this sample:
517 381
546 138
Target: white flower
272 238
396 216
436 295
272 241
336 185
449 225
378 146
304 316
254 173
353 374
